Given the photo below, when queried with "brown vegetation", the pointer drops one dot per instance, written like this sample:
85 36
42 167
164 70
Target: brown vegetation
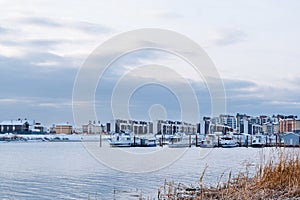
276 179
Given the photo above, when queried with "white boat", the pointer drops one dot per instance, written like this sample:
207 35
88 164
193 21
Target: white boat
209 141
258 141
180 141
227 141
121 140
180 144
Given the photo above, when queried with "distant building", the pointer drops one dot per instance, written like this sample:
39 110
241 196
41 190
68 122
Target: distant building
297 126
255 129
21 126
63 128
242 123
171 127
291 139
207 123
287 125
92 128
268 128
229 121
276 128
136 127
198 128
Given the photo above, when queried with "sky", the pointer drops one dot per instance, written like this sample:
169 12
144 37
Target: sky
254 45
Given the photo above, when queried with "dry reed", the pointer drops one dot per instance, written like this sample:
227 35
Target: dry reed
278 178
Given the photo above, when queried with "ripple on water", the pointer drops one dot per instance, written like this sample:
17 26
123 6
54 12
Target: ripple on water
67 171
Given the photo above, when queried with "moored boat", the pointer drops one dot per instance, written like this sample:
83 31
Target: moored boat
146 142
227 141
121 140
209 141
258 141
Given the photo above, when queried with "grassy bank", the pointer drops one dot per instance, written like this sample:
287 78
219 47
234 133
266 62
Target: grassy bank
277 178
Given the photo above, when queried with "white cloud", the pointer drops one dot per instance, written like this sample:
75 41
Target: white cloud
227 36
12 51
38 37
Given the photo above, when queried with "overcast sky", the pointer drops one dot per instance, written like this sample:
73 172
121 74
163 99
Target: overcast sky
253 44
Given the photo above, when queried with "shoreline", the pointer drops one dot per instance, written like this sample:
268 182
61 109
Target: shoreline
279 179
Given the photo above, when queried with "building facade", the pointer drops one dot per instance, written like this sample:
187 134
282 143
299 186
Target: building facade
22 126
287 125
133 126
93 128
63 129
172 127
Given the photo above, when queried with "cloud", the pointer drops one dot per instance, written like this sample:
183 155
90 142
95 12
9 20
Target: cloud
91 28
86 27
33 36
167 14
40 21
227 36
3 30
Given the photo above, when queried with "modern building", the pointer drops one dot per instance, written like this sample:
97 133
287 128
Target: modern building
241 121
172 127
207 123
229 121
287 125
276 127
133 126
244 126
268 128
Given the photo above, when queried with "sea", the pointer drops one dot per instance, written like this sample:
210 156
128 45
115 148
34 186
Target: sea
67 170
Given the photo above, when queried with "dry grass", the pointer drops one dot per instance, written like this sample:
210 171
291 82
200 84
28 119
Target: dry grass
271 180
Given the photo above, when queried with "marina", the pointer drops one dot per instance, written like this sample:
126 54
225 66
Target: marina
122 140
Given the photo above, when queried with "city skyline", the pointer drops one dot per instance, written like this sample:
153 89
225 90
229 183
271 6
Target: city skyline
43 46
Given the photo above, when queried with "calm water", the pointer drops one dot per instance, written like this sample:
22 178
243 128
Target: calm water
68 171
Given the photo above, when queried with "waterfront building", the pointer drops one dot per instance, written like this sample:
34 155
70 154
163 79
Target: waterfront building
264 119
92 128
255 129
276 127
206 125
21 126
198 128
229 120
63 128
171 127
297 126
242 123
291 139
268 128
243 126
133 126
289 125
